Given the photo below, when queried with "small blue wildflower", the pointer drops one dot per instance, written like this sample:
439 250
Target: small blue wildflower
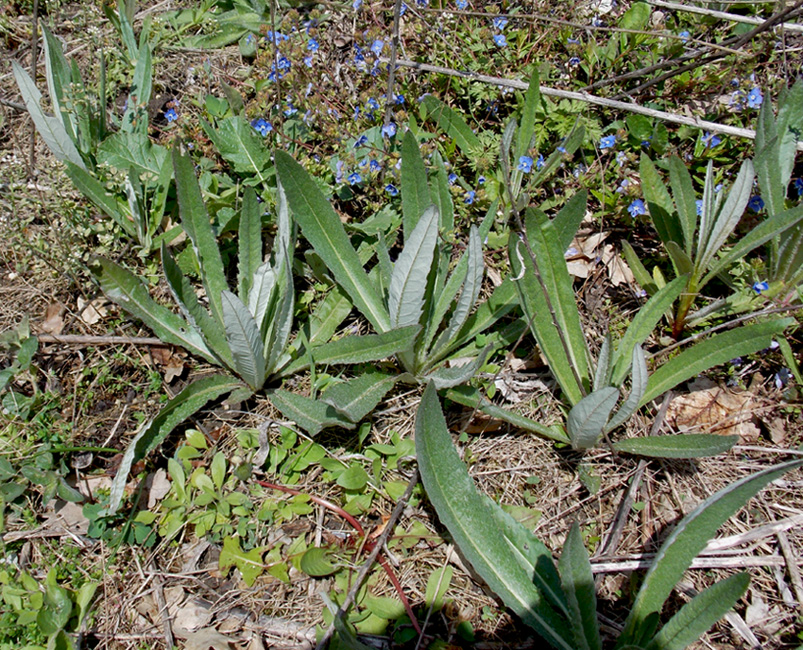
754 98
308 61
403 9
717 188
275 37
390 188
799 186
782 377
452 178
621 158
561 149
377 46
575 60
249 39
607 142
374 166
761 287
389 129
737 362
356 4
312 45
636 208
711 140
540 162
469 197
525 164
756 204
422 3
737 99
262 126
354 178
572 41
684 35
462 5
623 186
290 110
499 23
399 100
699 204
570 252
481 180
500 40
339 171
373 104
579 170
596 21
359 142
171 115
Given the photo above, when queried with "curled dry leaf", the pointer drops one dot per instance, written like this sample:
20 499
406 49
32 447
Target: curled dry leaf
93 311
54 321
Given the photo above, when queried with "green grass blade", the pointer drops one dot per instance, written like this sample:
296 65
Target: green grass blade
249 258
465 514
195 221
124 288
712 352
324 230
152 433
414 186
578 585
689 538
244 340
686 445
698 615
408 283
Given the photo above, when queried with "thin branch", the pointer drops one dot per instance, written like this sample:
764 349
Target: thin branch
646 560
80 339
736 18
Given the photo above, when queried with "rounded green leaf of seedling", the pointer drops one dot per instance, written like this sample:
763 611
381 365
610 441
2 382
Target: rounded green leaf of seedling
354 478
55 613
315 562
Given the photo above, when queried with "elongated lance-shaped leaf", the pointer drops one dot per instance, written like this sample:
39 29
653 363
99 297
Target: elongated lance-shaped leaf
500 303
603 372
472 527
689 538
471 397
57 73
357 397
728 217
551 308
359 349
408 284
469 294
451 123
137 209
140 93
213 333
124 288
588 417
685 202
414 186
443 377
328 315
719 349
578 585
244 340
681 262
788 267
153 432
281 321
639 379
769 228
262 293
708 210
195 221
250 244
532 98
323 229
685 445
568 219
640 272
50 128
92 189
642 325
310 414
659 203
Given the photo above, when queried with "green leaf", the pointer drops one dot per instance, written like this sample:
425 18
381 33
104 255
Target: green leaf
311 415
685 201
59 79
140 93
354 478
153 432
659 203
603 372
697 616
437 586
249 258
532 100
249 564
687 445
578 585
50 128
92 189
467 517
414 187
638 387
712 352
588 417
195 221
568 220
56 610
328 316
324 230
240 146
689 538
408 283
444 377
636 17
357 397
127 290
640 272
315 562
451 123
242 334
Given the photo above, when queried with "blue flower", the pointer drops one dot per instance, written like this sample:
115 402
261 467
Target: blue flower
607 142
399 100
354 178
359 142
621 158
481 180
540 162
403 9
390 188
575 60
754 98
462 5
756 203
308 61
525 164
373 104
262 126
623 186
572 41
499 23
283 64
561 149
684 35
761 287
389 130
356 4
276 37
711 140
469 197
636 208
312 45
374 166
699 204
290 110
782 377
452 178
500 40
171 115
377 46
799 186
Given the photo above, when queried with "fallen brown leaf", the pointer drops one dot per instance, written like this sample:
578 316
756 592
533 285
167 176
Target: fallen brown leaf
712 409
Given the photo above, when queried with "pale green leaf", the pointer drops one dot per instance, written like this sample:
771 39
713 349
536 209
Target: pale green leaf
242 334
588 417
685 201
240 146
451 123
414 187
687 445
311 415
357 397
578 585
638 386
249 258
